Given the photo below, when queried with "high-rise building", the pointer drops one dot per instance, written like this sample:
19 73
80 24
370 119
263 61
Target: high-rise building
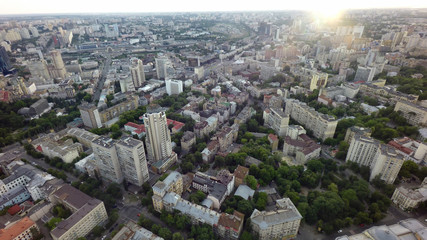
277 120
39 69
90 115
132 160
387 164
158 138
121 160
138 75
362 150
365 74
34 32
57 70
162 67
318 80
174 86
5 64
25 34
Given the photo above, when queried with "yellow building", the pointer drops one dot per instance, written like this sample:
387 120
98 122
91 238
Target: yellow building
172 183
414 114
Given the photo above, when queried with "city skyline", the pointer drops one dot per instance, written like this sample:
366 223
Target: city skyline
325 8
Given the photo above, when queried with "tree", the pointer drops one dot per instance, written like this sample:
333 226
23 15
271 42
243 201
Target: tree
251 181
165 233
97 231
246 236
408 167
177 236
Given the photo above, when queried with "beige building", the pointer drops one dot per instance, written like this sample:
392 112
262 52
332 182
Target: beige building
187 141
318 80
276 119
282 223
138 75
19 230
90 115
362 150
172 183
57 69
352 131
322 125
84 137
158 138
106 159
384 94
115 111
87 212
409 199
414 114
387 164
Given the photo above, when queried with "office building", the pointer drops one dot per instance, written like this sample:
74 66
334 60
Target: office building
158 139
362 150
19 230
87 213
413 113
5 64
57 69
276 119
162 65
282 223
132 160
138 75
409 199
322 125
174 87
90 115
387 164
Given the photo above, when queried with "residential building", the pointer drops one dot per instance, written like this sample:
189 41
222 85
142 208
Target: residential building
276 119
356 130
303 148
87 213
5 64
172 183
405 229
111 113
229 226
132 160
57 69
137 73
274 141
52 145
414 114
318 80
409 199
90 115
387 164
162 65
132 231
362 150
411 149
106 158
282 223
174 87
365 74
244 115
19 230
84 137
322 125
385 94
239 175
135 129
216 192
187 141
245 192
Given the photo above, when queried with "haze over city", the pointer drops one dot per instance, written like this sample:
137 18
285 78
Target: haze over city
195 120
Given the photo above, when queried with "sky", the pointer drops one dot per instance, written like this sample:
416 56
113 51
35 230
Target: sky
128 6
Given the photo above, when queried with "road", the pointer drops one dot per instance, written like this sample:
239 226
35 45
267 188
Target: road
100 83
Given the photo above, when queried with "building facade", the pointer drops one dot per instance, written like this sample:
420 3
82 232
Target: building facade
413 113
276 119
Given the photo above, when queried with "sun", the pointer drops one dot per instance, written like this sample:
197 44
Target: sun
331 12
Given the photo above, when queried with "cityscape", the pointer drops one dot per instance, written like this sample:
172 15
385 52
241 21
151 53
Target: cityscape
230 123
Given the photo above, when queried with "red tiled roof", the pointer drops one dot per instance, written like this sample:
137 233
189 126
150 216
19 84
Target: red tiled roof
4 96
176 125
139 127
14 209
39 148
400 147
272 137
16 229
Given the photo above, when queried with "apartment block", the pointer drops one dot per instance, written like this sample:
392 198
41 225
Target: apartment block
174 87
322 125
90 115
18 230
362 150
356 130
276 119
229 226
413 113
318 80
87 212
172 183
281 223
131 103
387 164
409 199
106 159
84 137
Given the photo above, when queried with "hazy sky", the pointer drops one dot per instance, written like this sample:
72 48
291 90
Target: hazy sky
96 6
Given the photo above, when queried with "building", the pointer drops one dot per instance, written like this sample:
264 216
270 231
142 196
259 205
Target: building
409 199
385 94
365 74
318 80
216 191
411 149
356 130
229 226
387 164
84 137
132 160
303 148
239 175
245 192
405 229
414 114
132 231
282 223
135 129
158 141
19 230
121 160
87 212
362 150
90 115
276 119
57 69
52 145
187 141
322 125
174 87
138 75
172 183
36 109
274 141
5 64
162 65
114 112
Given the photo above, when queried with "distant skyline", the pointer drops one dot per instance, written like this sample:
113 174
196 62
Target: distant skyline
325 7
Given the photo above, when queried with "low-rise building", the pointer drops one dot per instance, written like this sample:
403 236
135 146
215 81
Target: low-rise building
84 137
187 141
409 199
132 231
413 113
274 141
216 191
52 146
172 183
19 230
135 129
282 223
239 175
87 212
303 148
229 226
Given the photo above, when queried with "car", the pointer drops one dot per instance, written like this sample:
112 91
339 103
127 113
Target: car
139 214
340 231
361 225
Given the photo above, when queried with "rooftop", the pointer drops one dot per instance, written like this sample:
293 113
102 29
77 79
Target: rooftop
286 212
15 229
241 172
244 191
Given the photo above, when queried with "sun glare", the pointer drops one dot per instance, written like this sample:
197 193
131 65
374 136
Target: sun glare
328 12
